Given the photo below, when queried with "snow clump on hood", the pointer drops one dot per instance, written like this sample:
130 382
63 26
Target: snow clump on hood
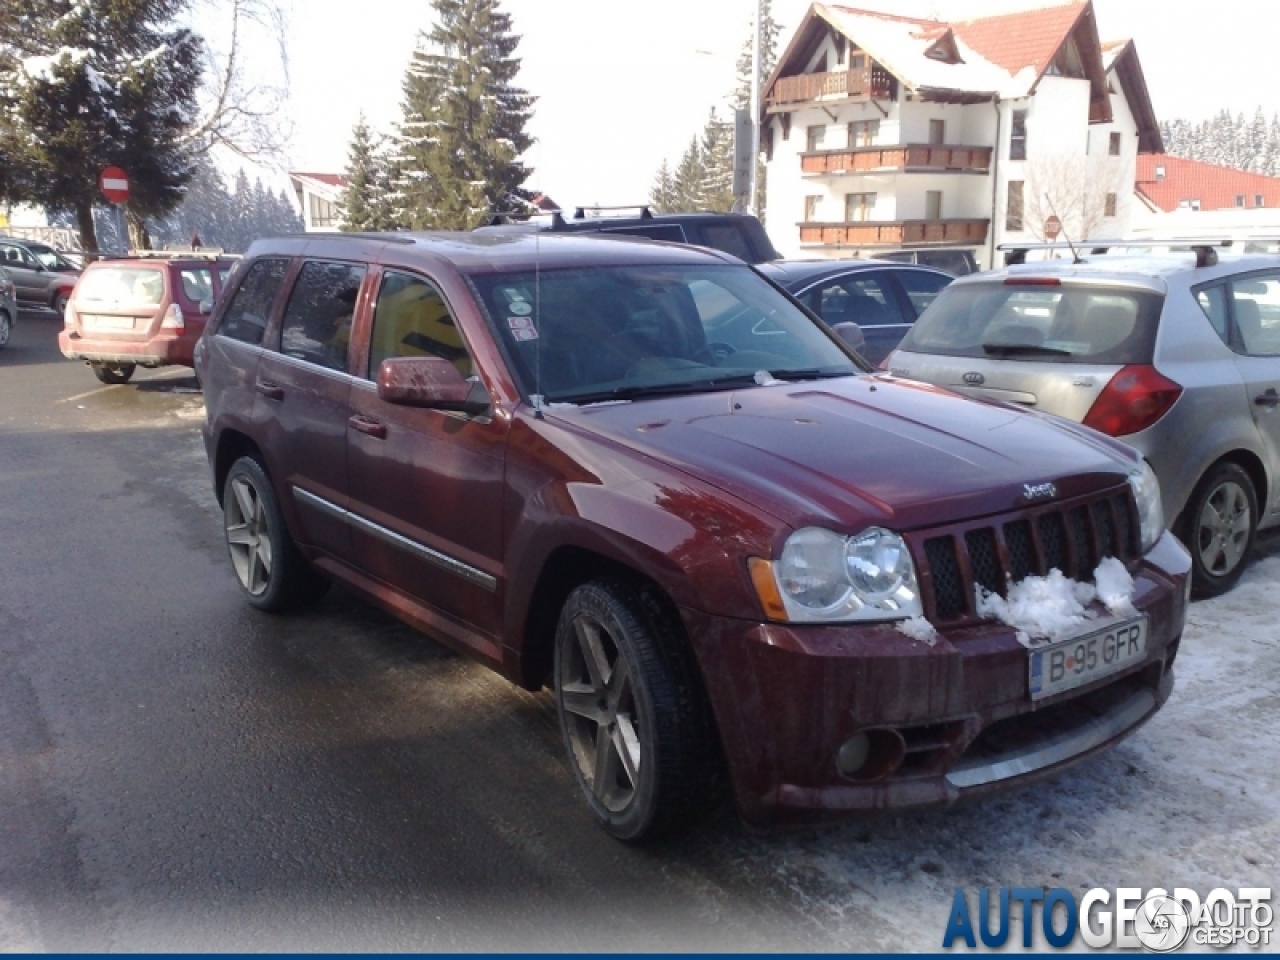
1045 609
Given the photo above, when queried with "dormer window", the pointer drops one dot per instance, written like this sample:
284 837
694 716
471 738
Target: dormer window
944 49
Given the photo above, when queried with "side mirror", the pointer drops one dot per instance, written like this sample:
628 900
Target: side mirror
206 306
430 382
851 334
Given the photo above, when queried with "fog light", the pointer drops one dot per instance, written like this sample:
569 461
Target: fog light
853 755
871 754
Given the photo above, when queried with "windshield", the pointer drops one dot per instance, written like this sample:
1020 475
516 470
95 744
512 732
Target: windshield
585 335
1072 323
132 285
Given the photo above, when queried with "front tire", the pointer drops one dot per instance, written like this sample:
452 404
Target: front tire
113 372
1218 528
632 711
6 328
271 572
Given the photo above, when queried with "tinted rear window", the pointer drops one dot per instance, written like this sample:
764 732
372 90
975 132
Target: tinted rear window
143 286
1072 323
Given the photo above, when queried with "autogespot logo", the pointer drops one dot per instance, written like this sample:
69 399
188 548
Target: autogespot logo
1127 918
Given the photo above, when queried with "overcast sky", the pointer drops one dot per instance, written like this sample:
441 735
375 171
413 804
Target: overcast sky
622 85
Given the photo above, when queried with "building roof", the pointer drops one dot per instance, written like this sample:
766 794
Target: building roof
328 179
963 61
1215 187
1120 58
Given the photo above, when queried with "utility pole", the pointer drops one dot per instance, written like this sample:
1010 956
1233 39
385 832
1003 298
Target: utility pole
755 111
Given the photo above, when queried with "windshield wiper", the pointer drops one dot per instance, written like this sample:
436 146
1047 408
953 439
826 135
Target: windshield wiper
811 374
657 390
1028 349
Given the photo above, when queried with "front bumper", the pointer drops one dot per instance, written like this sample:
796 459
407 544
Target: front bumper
161 350
787 697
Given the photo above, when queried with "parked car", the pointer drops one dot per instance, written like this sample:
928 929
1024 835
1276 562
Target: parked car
1179 358
883 298
38 285
641 475
8 307
739 234
141 311
958 263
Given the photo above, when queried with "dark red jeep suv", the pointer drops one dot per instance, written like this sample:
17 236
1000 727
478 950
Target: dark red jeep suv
640 474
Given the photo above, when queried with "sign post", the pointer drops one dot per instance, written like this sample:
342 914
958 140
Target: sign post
114 184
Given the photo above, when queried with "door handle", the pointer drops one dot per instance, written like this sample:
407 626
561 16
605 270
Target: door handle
1268 398
368 426
270 390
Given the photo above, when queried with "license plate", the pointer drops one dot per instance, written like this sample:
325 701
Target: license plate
1083 659
101 322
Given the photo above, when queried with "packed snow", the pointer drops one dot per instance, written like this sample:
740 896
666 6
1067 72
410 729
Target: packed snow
918 628
1045 609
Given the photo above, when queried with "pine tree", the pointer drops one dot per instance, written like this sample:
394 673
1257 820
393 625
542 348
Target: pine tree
463 128
86 84
688 178
366 203
715 186
769 33
662 196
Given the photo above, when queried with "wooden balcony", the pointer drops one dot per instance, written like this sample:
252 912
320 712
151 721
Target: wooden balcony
867 82
908 158
894 233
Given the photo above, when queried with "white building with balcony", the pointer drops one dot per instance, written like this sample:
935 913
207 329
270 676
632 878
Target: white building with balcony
883 132
319 200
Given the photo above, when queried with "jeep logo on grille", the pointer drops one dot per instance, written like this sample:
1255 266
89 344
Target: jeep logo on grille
974 379
1039 491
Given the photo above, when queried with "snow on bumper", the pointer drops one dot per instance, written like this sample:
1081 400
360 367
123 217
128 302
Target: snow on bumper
950 721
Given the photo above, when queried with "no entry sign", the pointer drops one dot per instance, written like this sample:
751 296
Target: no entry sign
114 184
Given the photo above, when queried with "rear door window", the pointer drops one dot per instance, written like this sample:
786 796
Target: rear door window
921 287
1255 307
727 237
864 298
1069 323
1213 301
317 318
197 283
246 316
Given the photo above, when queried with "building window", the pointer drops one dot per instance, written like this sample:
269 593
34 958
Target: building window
1160 172
1257 200
1109 208
811 206
858 206
1013 215
863 133
815 137
1192 203
1115 145
937 131
1018 136
1239 199
323 213
933 205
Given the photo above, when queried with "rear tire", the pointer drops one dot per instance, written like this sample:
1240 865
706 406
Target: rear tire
633 714
59 305
1218 528
272 573
113 372
6 328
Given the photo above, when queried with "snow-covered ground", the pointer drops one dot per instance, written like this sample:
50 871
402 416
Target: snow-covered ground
1192 799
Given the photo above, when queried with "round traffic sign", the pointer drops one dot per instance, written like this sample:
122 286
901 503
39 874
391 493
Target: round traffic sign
1052 227
114 184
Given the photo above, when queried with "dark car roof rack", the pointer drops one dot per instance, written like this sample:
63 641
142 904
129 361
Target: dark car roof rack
1205 248
580 213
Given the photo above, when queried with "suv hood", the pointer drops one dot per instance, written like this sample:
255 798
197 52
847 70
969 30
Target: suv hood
862 450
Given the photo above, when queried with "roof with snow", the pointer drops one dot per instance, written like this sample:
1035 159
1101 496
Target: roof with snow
1166 182
328 179
965 61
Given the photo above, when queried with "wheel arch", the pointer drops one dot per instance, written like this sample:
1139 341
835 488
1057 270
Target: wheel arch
1251 464
232 445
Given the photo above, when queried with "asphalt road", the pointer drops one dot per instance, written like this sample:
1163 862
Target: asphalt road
180 772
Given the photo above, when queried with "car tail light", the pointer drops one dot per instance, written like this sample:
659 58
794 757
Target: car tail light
173 319
1136 397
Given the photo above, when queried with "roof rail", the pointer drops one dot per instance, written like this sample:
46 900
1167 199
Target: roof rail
580 213
499 218
1205 248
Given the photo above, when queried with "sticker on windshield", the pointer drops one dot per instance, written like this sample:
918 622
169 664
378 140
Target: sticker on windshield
520 323
521 307
525 334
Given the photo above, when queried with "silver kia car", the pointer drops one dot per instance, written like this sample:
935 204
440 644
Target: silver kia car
1177 354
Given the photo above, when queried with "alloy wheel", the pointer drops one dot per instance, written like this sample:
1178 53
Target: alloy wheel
1225 524
597 695
249 537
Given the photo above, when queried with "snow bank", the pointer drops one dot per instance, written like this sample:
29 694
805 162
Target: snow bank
918 628
1045 609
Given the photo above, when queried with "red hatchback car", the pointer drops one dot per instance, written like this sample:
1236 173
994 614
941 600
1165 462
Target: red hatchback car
642 475
131 312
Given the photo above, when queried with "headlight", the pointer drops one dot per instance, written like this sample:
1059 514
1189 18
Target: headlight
1146 492
824 577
